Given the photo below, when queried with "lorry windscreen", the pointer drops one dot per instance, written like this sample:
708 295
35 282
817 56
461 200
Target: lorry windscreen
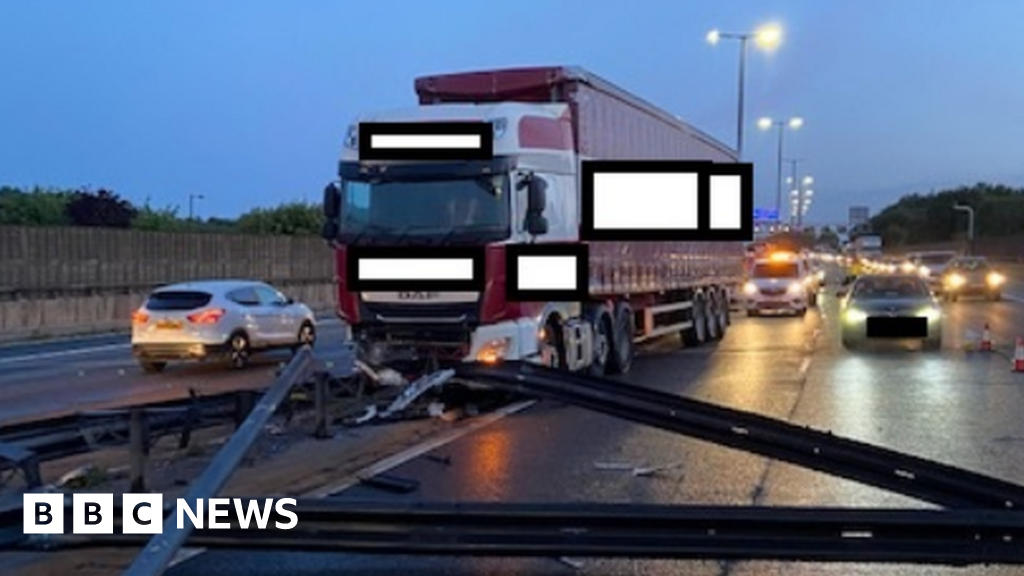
454 209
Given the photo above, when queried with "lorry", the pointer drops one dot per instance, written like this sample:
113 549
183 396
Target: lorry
546 121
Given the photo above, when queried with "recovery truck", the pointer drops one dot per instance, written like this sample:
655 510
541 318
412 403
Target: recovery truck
546 121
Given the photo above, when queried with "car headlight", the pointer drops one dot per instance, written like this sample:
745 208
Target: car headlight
907 267
955 280
750 288
995 278
795 288
924 271
853 315
930 312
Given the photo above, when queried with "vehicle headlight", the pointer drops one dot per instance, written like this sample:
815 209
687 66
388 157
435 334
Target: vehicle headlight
995 278
795 288
750 289
924 271
955 280
907 267
853 315
493 351
931 313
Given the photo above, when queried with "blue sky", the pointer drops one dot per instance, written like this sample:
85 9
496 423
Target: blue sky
246 102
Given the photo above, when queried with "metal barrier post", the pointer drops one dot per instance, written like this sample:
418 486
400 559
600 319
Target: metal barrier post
160 550
139 441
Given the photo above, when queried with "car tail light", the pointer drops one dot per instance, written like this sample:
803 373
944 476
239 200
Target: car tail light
211 316
139 317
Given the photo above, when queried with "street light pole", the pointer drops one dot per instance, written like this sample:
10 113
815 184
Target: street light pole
739 111
191 205
778 170
970 226
766 37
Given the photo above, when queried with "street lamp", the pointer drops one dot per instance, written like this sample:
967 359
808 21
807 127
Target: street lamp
191 204
970 226
793 123
767 37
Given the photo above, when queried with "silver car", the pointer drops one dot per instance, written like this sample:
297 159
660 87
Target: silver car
217 319
890 307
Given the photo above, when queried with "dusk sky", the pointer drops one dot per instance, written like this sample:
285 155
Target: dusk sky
246 102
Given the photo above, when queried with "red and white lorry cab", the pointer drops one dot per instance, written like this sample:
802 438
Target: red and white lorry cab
546 121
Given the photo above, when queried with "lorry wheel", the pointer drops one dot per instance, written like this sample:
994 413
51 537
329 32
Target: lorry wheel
726 310
623 345
554 343
714 330
697 333
601 320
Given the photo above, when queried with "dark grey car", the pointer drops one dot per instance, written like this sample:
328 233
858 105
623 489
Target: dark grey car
890 307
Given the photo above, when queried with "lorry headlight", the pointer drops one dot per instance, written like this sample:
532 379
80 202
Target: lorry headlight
750 289
853 315
493 351
995 278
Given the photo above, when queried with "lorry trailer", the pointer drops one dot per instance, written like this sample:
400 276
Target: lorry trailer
546 121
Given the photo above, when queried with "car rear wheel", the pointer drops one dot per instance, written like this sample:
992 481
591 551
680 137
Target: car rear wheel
306 337
150 367
239 351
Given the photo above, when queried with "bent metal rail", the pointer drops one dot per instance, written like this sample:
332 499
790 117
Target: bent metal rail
986 528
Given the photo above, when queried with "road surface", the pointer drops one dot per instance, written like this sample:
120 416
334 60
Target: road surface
957 406
51 378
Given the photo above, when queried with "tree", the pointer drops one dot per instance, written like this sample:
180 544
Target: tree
826 237
101 208
292 219
37 207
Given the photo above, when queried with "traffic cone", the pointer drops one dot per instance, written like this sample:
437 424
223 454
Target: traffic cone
986 340
1018 355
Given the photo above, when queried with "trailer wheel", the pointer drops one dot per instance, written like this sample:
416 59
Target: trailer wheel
721 313
623 346
554 344
697 333
711 313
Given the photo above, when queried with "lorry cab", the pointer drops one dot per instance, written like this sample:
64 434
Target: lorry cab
780 283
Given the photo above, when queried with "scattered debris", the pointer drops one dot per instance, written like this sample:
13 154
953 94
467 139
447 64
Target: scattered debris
571 562
453 415
435 409
652 470
370 414
83 477
391 483
417 389
446 460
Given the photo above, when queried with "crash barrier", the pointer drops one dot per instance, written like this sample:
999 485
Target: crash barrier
986 528
24 447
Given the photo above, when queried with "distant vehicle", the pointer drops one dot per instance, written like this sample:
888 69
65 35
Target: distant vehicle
931 265
217 319
780 283
890 306
971 276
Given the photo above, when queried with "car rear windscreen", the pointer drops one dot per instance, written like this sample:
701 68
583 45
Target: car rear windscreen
177 300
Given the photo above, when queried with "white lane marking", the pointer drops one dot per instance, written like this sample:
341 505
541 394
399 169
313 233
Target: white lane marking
418 450
106 348
391 462
63 353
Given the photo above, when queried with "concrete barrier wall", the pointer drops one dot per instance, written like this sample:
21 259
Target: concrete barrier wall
70 281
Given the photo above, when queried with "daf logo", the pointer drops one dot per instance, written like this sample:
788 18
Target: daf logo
417 295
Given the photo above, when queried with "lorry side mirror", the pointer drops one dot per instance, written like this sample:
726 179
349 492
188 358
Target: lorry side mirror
329 230
537 200
332 201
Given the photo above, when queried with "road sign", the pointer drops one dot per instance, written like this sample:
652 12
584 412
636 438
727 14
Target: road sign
769 214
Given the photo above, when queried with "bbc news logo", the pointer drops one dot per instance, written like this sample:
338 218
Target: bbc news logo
143 513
